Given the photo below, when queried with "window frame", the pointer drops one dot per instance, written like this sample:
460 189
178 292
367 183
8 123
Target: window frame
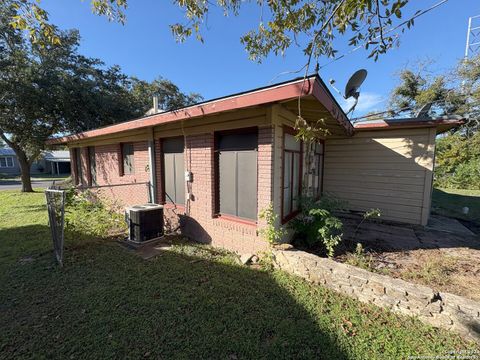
321 156
6 157
216 175
164 199
78 166
287 217
122 162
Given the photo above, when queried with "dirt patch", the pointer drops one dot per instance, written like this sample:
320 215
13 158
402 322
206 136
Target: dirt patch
446 262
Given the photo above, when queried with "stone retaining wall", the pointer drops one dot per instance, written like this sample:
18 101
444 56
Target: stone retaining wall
442 310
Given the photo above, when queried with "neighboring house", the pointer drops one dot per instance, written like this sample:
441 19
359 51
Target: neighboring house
8 162
49 162
217 164
53 162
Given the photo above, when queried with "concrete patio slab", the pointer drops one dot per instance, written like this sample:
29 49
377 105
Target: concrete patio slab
453 226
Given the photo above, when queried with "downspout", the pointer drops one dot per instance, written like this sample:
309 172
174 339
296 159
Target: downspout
151 166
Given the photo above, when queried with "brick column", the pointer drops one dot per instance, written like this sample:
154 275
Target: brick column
199 155
85 166
265 170
159 171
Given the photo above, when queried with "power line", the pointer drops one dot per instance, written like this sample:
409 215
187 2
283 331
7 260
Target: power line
418 14
397 111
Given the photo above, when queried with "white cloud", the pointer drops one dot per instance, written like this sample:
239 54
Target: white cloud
366 102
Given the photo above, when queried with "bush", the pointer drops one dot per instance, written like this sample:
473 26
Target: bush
457 162
317 226
86 216
270 232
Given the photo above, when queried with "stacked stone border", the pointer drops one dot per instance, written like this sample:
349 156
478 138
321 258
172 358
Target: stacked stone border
438 309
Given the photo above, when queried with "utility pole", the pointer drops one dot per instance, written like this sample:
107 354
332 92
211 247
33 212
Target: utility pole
472 46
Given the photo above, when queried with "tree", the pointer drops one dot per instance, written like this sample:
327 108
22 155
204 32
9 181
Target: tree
169 95
455 92
49 88
310 24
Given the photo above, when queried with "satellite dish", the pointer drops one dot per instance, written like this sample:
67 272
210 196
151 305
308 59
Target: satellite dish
354 83
423 112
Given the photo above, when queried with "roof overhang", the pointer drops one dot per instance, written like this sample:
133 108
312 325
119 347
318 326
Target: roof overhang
442 125
311 87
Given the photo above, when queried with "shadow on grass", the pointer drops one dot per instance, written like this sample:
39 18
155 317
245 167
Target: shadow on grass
106 303
451 204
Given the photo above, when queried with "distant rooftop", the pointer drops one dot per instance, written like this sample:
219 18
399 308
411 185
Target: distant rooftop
442 124
6 151
47 154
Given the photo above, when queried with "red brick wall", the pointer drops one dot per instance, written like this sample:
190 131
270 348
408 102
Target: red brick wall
200 224
120 190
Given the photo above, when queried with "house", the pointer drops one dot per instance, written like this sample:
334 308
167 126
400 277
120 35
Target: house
55 162
49 162
215 165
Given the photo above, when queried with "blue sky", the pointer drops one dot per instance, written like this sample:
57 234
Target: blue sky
144 47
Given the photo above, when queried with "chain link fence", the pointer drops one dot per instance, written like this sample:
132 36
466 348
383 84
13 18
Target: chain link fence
56 219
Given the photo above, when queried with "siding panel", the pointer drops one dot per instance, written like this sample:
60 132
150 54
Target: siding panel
389 170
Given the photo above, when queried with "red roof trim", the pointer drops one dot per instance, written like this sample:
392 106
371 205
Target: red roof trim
408 124
271 94
326 98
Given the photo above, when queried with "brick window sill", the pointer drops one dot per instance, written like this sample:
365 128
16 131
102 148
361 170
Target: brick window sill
235 219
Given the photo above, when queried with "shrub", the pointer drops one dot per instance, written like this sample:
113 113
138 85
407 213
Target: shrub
317 226
457 163
270 232
86 216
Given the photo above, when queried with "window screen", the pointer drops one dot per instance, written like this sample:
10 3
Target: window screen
317 170
237 174
174 170
127 158
93 165
291 175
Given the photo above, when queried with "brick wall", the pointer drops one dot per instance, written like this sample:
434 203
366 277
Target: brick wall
200 224
120 190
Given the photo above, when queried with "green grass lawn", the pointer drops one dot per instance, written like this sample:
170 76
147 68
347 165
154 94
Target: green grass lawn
450 202
107 303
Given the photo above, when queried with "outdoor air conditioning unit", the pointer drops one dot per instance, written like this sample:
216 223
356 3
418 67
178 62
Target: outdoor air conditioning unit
145 222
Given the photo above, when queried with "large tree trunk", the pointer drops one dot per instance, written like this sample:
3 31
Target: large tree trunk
25 169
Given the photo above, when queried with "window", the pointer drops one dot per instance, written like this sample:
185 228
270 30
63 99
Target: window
6 161
236 163
317 170
78 165
128 165
93 166
173 170
292 163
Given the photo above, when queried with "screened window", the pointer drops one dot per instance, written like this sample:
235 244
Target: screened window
174 170
237 174
127 159
78 165
292 152
93 165
6 161
317 169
